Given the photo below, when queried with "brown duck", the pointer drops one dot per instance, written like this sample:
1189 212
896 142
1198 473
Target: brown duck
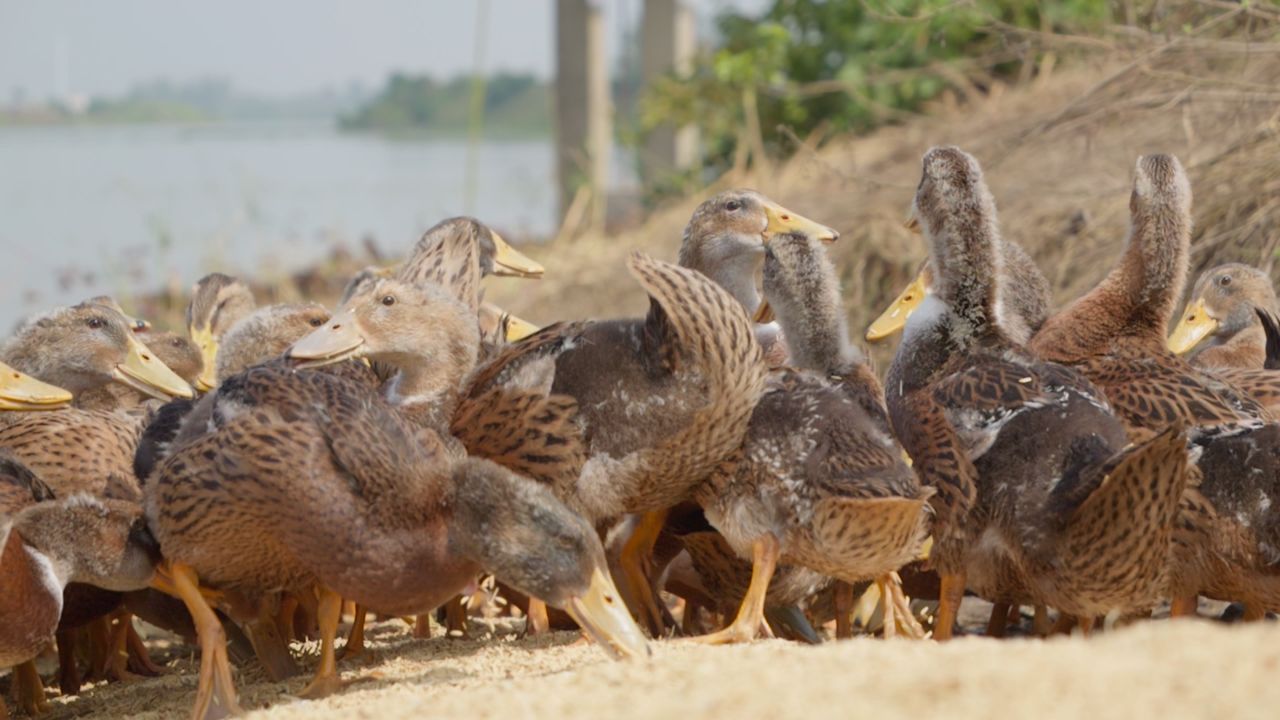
820 481
1031 467
46 543
374 487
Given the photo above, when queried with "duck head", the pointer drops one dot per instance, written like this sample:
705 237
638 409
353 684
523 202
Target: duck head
87 346
92 540
217 303
520 532
725 237
423 331
1225 301
266 334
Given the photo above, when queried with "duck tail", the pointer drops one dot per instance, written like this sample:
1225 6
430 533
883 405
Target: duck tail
1131 514
862 538
693 322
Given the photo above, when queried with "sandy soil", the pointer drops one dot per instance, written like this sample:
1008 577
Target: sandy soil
1156 669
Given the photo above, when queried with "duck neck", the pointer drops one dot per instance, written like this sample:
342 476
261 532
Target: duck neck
425 389
807 304
1141 291
735 271
968 261
33 357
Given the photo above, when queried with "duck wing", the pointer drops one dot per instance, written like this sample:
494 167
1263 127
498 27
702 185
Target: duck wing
1151 393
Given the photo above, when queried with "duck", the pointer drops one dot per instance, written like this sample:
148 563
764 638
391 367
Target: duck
1116 334
376 485
82 349
1023 311
266 333
820 480
1032 468
48 542
218 301
1231 324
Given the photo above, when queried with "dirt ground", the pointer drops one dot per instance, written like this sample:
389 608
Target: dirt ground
1182 669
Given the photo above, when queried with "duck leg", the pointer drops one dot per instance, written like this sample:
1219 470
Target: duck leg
750 619
537 622
68 668
215 670
1086 625
30 689
284 618
117 668
99 632
949 599
355 639
1184 606
843 601
1041 625
999 620
455 617
326 681
422 626
634 561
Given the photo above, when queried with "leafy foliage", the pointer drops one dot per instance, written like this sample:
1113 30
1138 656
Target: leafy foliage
851 64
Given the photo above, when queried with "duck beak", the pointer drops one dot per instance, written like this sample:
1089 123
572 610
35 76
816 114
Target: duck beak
895 316
19 391
142 371
203 338
602 614
763 314
517 328
1196 325
509 262
336 341
782 221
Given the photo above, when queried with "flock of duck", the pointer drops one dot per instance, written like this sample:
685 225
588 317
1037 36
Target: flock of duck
241 484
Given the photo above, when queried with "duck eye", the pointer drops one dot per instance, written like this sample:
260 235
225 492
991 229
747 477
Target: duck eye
1225 280
316 322
733 205
95 322
388 300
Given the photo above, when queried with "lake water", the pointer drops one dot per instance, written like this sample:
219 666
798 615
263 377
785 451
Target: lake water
88 210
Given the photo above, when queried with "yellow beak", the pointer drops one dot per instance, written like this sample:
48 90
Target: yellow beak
782 221
143 371
338 340
603 616
1196 325
19 391
509 262
517 328
203 338
895 316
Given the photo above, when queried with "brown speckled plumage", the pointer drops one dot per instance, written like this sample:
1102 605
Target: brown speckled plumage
1037 489
660 401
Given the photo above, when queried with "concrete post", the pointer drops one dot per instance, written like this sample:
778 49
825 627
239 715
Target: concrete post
584 132
668 40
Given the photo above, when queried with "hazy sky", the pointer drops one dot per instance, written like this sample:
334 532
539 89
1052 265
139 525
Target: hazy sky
274 46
